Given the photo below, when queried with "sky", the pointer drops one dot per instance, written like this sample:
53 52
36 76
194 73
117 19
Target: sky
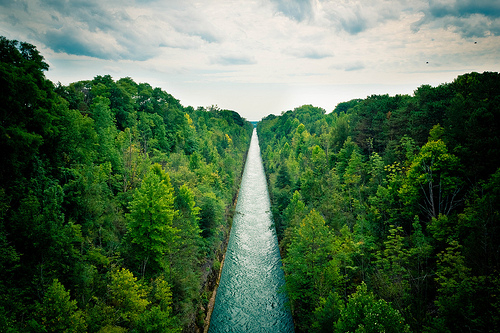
261 57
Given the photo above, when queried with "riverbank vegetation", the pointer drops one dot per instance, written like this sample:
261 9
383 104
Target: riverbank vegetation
114 201
388 209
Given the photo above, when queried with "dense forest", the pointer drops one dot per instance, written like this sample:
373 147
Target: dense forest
388 209
115 201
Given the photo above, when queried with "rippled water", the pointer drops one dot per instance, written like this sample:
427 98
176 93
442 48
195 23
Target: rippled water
249 298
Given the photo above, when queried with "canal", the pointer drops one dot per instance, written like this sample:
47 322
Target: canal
249 297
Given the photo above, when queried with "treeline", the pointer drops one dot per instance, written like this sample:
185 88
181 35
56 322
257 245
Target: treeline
115 201
388 209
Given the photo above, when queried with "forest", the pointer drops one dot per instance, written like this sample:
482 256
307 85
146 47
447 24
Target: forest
115 201
388 209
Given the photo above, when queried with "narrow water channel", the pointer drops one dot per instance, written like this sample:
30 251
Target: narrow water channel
249 298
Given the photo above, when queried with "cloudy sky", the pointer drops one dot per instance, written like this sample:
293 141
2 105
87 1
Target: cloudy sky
259 57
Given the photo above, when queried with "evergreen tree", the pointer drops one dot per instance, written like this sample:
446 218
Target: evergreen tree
150 228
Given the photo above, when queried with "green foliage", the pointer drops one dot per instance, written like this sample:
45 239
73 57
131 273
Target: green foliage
393 274
209 214
403 193
461 301
82 192
127 297
150 228
398 181
26 112
363 313
327 313
57 313
311 273
472 122
433 180
187 252
156 320
293 214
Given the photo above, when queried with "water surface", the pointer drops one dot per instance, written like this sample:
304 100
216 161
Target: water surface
249 298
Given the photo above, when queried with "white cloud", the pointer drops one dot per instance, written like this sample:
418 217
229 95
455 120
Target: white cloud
306 50
469 18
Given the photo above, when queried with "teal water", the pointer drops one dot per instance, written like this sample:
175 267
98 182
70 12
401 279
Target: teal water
249 298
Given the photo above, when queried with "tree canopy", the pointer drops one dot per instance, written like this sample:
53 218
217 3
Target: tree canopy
386 209
105 224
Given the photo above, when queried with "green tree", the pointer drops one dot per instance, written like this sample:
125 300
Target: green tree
28 107
293 214
393 274
434 180
452 277
364 313
354 176
127 297
150 228
105 127
311 186
420 270
58 313
327 313
310 274
319 162
376 170
299 140
283 179
210 212
159 317
472 122
340 132
186 253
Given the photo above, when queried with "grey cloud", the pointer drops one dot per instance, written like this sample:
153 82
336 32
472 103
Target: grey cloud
311 53
298 10
179 43
229 60
104 29
193 29
190 21
10 9
110 45
14 5
464 8
354 67
354 24
94 14
349 66
316 55
78 27
469 18
207 36
475 26
59 41
355 17
79 42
